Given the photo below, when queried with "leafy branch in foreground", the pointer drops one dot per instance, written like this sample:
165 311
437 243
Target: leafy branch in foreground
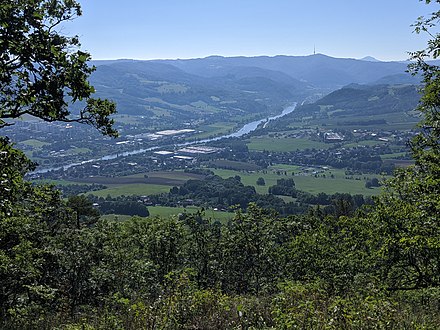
41 70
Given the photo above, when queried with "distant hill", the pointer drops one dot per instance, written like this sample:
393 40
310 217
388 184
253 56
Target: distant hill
398 79
232 86
317 70
369 59
152 87
361 100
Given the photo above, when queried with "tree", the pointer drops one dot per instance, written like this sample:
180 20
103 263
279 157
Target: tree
261 182
405 224
83 210
41 70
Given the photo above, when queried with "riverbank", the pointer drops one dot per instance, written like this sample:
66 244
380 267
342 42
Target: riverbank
246 129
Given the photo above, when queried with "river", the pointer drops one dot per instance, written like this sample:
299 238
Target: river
249 127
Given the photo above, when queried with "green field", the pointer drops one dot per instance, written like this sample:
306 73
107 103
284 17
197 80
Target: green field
233 165
131 189
128 119
150 183
55 182
34 143
284 144
215 129
166 212
306 180
116 217
395 155
369 143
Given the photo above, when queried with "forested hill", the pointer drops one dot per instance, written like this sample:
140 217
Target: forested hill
364 100
142 87
229 86
318 70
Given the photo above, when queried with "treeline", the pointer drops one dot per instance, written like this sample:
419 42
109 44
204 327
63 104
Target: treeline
76 189
216 192
125 205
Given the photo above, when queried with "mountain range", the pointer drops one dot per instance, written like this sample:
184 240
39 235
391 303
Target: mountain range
229 86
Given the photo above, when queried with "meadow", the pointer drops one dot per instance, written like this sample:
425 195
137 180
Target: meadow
266 143
312 180
143 184
167 212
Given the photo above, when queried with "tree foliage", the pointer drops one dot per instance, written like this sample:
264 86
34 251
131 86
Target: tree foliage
405 222
42 70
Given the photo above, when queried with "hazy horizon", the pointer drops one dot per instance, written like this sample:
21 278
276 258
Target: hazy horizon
198 28
242 56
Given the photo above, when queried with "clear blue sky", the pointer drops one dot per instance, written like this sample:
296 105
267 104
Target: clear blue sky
152 29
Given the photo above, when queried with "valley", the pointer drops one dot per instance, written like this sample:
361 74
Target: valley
335 141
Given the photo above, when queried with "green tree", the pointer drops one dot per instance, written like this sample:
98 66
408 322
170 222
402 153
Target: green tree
42 73
248 251
261 182
83 208
406 219
42 70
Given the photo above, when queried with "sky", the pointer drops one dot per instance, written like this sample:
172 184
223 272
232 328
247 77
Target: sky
170 29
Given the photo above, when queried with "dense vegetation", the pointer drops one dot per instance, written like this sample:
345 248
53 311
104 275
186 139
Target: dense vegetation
63 268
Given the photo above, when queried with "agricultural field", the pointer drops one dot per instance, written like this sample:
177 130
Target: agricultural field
150 183
395 155
215 129
129 119
312 180
34 143
283 144
54 182
131 189
166 212
233 165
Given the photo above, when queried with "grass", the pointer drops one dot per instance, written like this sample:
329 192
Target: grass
400 162
364 143
393 155
337 185
284 167
284 144
154 183
306 181
34 143
116 217
175 175
233 165
216 129
171 178
172 88
166 211
131 189
55 182
128 119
